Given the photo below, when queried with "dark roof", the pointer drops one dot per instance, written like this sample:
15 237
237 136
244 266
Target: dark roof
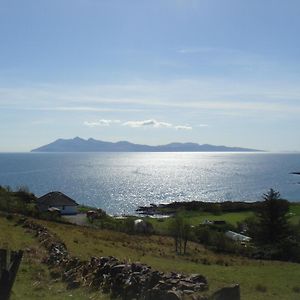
56 199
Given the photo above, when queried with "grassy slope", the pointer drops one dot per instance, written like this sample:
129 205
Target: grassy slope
279 278
33 281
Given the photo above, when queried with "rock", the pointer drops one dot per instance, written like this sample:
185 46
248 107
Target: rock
136 267
173 295
198 297
55 274
73 285
117 269
188 292
200 287
154 278
184 285
164 286
227 293
197 278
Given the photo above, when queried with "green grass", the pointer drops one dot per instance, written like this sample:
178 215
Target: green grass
33 281
295 211
197 218
279 278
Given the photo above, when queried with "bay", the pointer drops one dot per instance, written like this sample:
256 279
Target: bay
120 182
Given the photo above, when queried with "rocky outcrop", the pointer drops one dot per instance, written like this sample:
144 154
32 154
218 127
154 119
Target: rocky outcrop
122 279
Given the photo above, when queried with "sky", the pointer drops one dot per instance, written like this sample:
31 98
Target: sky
152 72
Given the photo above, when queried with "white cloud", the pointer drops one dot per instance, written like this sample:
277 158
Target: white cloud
183 127
137 124
101 123
150 123
155 124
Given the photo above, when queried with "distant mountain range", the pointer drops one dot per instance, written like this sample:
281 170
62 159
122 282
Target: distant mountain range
91 145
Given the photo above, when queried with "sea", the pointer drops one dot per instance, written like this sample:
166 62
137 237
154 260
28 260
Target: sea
121 182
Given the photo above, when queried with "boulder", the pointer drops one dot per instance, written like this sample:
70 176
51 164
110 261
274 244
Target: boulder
227 293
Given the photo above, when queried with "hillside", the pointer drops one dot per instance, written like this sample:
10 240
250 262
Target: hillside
91 145
261 280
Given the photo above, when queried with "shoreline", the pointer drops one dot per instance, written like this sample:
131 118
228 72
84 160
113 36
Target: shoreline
169 209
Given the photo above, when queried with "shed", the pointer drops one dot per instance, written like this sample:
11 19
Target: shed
64 203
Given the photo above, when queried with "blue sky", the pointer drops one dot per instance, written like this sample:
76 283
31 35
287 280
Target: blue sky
153 72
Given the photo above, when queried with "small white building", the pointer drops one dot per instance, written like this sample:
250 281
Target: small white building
58 200
237 236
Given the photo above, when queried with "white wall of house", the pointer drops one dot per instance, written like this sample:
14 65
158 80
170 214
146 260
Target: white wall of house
68 210
65 210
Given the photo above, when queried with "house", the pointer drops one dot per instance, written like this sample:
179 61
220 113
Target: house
58 200
237 236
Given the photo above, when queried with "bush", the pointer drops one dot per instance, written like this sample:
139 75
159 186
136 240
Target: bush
128 225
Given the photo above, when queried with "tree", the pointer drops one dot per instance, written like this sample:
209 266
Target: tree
180 230
272 225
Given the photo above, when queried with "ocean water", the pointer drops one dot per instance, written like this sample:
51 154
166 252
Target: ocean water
120 182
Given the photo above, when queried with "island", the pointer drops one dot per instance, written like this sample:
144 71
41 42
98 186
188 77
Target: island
78 144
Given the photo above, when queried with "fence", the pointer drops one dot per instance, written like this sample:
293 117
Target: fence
9 265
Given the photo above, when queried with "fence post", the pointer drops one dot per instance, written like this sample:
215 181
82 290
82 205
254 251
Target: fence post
3 259
8 271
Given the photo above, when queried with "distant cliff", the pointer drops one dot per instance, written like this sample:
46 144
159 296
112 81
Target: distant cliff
91 145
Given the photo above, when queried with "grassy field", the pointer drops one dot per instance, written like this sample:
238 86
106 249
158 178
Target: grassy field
260 280
197 217
33 281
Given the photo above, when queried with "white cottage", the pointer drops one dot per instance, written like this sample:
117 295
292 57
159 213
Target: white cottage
65 204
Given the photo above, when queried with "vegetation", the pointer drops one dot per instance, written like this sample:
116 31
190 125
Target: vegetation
180 229
272 224
221 269
33 280
273 235
19 201
22 201
192 239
